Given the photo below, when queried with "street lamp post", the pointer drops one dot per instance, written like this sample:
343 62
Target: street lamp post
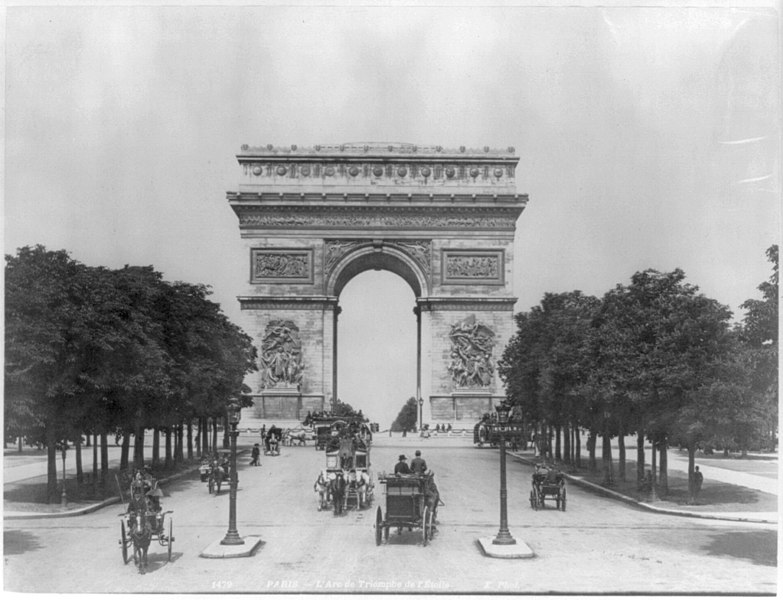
421 414
504 536
232 538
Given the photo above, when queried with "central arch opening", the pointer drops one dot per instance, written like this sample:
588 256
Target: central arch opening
376 345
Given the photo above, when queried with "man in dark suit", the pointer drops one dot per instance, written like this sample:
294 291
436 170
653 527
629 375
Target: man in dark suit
418 464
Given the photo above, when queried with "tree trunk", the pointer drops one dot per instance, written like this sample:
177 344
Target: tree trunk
558 454
226 442
179 455
175 434
190 439
578 444
155 446
640 455
591 443
567 444
214 434
125 452
20 443
202 428
138 448
606 459
621 453
105 459
94 461
78 448
664 466
168 447
51 464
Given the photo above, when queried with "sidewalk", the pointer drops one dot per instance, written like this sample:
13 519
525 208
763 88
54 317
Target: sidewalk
725 476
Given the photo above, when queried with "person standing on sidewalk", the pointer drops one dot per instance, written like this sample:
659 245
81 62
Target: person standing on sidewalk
698 479
255 453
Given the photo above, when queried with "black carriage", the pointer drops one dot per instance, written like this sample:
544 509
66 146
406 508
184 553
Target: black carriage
548 483
144 522
329 428
408 505
215 473
487 432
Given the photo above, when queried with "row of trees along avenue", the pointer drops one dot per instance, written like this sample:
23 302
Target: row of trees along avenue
91 351
654 358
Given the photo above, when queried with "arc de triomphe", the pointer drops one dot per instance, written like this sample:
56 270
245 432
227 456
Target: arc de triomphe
444 220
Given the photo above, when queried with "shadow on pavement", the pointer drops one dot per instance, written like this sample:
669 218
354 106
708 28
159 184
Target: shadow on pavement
16 541
760 547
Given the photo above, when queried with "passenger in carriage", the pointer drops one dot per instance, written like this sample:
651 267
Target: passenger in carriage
418 464
402 468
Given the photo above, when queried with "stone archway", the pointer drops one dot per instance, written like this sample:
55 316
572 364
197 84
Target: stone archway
311 219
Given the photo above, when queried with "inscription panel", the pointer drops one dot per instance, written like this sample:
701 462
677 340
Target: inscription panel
460 267
281 265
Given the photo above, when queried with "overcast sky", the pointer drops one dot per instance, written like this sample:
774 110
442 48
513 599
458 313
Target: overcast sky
647 137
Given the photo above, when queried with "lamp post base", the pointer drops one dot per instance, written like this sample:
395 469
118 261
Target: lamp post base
517 549
503 538
219 550
232 539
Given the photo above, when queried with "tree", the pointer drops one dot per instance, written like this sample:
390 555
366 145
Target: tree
759 332
662 339
407 417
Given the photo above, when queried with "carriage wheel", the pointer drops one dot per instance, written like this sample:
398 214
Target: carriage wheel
124 543
424 533
378 526
563 502
171 540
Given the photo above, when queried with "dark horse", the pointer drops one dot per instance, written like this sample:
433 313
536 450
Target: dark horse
431 495
140 533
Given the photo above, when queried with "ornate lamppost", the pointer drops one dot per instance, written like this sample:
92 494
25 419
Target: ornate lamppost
234 411
504 536
421 414
503 545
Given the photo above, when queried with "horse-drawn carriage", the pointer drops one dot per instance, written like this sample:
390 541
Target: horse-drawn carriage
485 432
328 428
144 522
272 441
214 471
411 501
347 481
548 483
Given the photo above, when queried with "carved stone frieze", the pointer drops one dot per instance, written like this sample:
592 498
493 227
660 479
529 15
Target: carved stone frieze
332 220
336 249
471 363
281 355
281 265
473 266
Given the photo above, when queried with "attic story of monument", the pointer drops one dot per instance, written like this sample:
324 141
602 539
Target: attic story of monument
444 220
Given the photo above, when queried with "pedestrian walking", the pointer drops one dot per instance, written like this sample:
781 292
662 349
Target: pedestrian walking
255 453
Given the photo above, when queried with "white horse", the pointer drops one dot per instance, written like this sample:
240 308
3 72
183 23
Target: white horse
360 482
322 487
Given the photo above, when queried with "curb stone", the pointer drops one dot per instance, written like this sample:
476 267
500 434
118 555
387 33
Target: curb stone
11 515
644 505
